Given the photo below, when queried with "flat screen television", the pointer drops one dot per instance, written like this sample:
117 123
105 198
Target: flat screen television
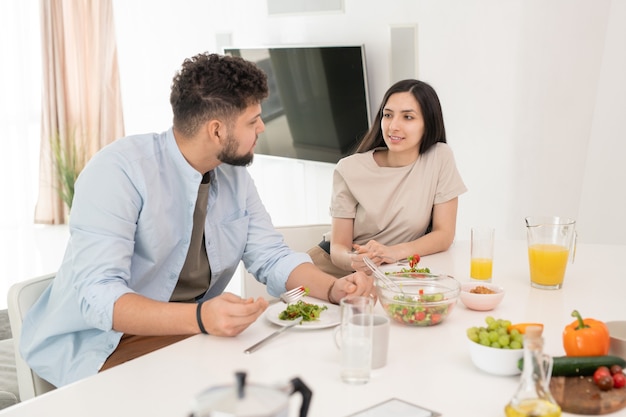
318 106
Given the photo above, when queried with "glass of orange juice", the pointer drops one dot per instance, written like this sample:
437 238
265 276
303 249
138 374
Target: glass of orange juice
481 264
551 243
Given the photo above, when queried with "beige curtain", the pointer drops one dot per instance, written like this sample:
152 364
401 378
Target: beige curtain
81 103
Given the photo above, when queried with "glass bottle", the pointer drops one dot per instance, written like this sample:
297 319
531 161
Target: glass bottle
533 397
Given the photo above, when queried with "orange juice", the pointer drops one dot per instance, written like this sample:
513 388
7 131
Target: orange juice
480 268
547 264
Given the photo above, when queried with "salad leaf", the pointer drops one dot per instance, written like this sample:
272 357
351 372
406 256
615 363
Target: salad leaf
308 311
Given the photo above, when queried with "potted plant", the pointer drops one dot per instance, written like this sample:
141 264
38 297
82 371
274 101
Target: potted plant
68 160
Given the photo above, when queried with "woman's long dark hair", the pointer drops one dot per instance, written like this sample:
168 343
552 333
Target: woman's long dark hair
434 130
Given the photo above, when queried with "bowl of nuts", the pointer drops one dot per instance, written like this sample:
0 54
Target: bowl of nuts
482 296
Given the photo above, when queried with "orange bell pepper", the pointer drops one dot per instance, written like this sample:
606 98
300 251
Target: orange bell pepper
521 327
586 337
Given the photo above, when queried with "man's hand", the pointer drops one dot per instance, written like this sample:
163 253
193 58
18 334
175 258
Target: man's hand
229 315
357 283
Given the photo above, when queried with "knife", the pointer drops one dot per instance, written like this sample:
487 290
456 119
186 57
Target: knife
271 336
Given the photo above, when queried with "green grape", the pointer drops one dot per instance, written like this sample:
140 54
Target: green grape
496 334
472 333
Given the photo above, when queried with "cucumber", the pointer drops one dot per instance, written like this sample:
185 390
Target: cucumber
580 365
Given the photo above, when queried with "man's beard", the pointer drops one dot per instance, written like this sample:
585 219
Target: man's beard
228 155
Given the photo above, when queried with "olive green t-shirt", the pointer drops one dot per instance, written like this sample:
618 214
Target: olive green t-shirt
195 277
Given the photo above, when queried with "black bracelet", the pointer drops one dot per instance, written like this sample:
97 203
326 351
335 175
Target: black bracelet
199 318
330 290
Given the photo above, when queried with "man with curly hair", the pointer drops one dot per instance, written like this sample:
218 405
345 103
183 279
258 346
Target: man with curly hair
158 226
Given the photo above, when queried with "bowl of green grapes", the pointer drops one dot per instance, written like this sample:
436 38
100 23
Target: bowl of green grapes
496 347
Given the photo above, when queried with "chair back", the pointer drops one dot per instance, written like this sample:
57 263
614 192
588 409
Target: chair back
22 296
299 238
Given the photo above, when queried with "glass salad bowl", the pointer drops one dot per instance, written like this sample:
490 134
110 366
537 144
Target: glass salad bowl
417 302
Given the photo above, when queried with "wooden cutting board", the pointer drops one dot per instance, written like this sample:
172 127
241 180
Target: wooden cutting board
580 395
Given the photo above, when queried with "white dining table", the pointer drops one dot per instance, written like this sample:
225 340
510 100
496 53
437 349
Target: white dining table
427 366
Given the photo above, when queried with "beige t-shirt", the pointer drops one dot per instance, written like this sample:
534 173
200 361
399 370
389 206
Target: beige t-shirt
393 204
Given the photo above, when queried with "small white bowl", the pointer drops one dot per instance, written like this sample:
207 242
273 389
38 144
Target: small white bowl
617 332
481 302
495 361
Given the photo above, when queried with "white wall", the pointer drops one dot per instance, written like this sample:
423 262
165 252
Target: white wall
531 91
603 197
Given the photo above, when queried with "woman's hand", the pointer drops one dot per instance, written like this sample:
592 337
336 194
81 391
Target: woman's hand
377 252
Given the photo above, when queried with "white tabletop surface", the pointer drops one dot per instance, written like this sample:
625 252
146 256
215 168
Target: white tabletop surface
428 366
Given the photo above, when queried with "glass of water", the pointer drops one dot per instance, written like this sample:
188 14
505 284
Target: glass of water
356 338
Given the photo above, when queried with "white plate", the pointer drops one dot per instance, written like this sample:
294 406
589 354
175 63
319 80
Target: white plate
328 318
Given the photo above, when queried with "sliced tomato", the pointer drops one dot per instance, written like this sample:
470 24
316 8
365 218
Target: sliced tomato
414 260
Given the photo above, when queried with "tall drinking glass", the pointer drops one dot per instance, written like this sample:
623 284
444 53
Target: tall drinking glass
356 339
481 263
551 242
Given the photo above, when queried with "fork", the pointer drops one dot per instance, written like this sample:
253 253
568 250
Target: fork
381 275
292 296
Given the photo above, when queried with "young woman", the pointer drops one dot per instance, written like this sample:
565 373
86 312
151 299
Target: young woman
397 195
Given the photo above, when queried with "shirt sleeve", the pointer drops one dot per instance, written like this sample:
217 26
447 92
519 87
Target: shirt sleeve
266 256
343 203
102 238
450 184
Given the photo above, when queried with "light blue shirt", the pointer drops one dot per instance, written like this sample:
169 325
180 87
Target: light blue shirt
130 228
